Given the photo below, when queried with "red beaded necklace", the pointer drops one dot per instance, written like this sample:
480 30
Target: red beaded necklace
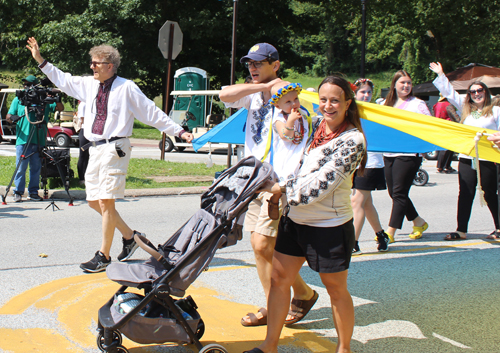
321 137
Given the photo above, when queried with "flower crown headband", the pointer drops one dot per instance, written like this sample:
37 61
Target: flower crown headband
362 81
284 90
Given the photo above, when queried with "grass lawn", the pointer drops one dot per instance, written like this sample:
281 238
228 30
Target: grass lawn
143 131
138 174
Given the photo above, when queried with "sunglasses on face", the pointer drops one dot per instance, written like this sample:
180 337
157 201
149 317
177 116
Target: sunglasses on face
256 64
474 91
95 63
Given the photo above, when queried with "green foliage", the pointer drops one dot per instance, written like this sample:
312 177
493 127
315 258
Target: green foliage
314 37
138 175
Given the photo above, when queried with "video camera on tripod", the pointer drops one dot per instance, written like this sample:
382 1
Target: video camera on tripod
55 163
35 98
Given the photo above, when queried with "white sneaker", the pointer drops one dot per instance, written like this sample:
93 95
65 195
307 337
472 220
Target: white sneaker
17 197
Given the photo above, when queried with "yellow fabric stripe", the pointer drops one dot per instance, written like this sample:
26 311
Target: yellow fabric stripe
443 133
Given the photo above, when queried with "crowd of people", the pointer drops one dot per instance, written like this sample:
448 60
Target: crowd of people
315 208
328 192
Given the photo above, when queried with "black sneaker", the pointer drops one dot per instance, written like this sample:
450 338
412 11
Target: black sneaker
129 247
383 241
97 264
356 250
35 197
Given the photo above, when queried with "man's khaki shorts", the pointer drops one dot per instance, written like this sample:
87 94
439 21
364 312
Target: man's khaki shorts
257 218
107 172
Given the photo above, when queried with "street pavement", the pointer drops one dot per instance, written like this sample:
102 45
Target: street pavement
426 295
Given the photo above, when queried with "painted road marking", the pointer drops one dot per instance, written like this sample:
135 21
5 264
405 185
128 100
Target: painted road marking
72 303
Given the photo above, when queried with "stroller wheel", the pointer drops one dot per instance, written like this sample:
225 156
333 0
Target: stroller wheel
213 348
121 349
200 329
117 337
421 178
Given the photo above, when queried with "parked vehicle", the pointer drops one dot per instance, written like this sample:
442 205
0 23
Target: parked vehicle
433 156
183 115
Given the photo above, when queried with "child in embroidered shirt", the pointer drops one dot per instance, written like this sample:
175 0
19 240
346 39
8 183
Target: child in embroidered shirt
291 125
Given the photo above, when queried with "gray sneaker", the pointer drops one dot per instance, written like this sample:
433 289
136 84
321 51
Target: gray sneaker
129 247
97 264
35 197
18 197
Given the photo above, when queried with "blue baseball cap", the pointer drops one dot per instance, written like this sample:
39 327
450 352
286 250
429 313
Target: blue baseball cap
261 51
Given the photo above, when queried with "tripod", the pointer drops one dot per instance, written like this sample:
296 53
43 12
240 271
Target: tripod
44 154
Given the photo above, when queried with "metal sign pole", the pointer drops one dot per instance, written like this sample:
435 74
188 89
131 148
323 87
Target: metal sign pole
167 89
233 79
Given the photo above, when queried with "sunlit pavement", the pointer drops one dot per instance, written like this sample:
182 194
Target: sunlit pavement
425 295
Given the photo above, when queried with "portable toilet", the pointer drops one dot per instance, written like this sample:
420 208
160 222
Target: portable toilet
191 79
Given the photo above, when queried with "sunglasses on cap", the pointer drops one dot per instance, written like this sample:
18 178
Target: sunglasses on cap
474 91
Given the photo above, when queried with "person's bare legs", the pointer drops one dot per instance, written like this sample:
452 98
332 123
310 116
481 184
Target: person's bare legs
342 308
391 231
371 213
418 222
111 219
263 247
358 201
284 273
363 207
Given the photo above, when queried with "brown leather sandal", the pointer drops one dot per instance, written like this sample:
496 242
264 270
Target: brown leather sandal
300 308
254 320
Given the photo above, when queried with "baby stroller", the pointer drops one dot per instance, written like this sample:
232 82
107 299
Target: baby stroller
156 317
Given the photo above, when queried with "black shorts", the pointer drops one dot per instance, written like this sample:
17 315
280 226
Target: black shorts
327 250
372 179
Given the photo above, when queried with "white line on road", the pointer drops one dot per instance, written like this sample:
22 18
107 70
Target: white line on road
454 343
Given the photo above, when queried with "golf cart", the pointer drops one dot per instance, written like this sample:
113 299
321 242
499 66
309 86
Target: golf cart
184 116
191 107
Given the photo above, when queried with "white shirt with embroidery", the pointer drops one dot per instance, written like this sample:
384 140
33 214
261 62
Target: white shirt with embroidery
286 154
126 102
258 124
488 122
319 195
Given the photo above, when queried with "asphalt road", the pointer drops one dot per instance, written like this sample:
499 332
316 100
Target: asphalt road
425 295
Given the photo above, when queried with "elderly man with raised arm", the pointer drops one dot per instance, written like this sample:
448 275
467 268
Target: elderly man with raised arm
112 103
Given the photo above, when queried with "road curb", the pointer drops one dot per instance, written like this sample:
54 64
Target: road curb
81 195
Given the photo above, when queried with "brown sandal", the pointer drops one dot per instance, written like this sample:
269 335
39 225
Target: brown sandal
273 210
300 308
254 320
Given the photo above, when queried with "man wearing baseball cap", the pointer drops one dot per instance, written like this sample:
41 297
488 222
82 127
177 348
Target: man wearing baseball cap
29 148
262 62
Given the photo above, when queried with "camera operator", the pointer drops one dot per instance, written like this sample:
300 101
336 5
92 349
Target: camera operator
112 102
23 129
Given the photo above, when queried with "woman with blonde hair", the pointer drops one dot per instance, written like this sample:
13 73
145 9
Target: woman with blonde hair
476 110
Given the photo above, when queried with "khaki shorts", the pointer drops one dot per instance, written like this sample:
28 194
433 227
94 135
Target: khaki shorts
257 218
107 172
